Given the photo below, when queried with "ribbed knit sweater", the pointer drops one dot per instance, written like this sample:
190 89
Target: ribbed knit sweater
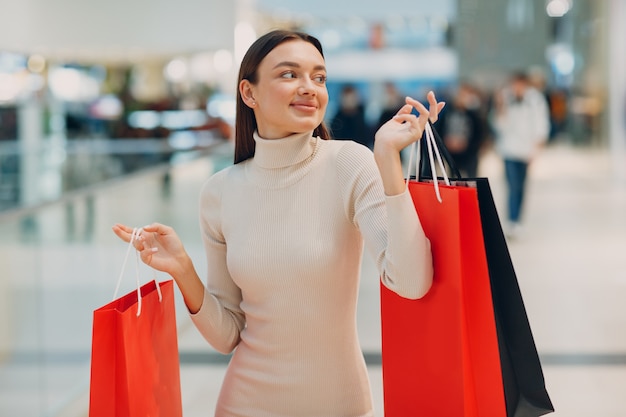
284 234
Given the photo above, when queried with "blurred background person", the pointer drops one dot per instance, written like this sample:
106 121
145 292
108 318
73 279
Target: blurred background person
461 128
559 113
349 121
521 124
392 101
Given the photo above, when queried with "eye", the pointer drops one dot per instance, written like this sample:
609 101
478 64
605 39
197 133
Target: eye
288 74
321 78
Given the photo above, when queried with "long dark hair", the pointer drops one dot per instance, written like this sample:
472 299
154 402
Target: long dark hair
245 122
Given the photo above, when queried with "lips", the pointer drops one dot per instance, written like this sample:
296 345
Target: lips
305 105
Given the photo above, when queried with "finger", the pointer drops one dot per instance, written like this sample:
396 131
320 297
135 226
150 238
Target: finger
123 228
436 109
417 105
140 242
406 109
123 232
432 106
158 228
145 248
414 124
432 100
146 256
402 118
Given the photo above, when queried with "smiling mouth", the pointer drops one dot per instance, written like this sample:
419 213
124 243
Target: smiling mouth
305 106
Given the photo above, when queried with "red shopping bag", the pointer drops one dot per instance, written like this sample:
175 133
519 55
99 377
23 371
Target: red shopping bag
440 353
134 360
134 355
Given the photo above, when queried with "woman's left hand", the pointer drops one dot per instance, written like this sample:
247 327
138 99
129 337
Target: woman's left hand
399 132
406 127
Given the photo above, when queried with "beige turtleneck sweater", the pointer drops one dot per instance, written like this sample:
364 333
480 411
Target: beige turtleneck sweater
284 234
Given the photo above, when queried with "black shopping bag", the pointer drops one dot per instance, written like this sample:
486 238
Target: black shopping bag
524 386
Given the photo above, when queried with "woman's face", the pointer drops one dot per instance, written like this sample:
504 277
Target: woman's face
290 95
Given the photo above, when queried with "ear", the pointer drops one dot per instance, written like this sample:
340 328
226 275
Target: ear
246 89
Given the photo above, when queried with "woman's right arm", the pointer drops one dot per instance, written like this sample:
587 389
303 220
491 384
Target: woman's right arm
220 320
214 309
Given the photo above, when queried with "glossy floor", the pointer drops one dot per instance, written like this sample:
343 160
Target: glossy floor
60 264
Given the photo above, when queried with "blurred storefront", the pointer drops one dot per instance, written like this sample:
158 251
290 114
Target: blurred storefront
126 71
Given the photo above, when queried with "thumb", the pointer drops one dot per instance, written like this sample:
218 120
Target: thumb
157 228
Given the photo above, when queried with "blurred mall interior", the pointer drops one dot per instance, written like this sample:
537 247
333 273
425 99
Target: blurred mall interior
118 111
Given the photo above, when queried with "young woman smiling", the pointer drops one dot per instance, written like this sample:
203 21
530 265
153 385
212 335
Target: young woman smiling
284 231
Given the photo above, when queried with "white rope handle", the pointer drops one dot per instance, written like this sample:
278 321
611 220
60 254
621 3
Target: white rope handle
433 142
430 143
134 235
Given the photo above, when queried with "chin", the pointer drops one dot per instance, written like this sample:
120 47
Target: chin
311 126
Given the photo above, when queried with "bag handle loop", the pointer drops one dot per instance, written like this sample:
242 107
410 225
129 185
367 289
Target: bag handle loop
445 154
134 236
430 144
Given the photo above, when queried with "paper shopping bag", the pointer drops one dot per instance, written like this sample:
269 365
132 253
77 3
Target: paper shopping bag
440 353
524 385
522 375
134 360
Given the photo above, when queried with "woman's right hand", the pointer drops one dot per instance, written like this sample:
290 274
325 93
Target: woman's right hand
159 247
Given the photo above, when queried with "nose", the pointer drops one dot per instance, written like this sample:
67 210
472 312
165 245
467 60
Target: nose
306 87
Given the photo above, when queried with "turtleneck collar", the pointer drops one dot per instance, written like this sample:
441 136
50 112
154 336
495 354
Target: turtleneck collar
283 152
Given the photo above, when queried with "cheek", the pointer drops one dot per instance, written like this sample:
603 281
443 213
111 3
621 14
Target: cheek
323 99
273 94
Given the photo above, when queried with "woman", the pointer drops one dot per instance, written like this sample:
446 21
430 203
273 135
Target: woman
284 229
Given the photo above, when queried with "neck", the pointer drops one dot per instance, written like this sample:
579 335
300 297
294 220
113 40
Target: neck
281 152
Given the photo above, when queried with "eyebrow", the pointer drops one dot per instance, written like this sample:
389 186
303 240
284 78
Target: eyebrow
296 65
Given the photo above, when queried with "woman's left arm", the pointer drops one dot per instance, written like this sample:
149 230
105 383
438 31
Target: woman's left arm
408 261
398 133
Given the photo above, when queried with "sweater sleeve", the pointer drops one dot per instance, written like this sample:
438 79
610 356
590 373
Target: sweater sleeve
220 318
389 225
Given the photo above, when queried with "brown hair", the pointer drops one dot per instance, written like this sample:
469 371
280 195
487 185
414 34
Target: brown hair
245 122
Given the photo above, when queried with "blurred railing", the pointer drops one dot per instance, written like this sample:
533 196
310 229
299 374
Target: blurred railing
31 175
